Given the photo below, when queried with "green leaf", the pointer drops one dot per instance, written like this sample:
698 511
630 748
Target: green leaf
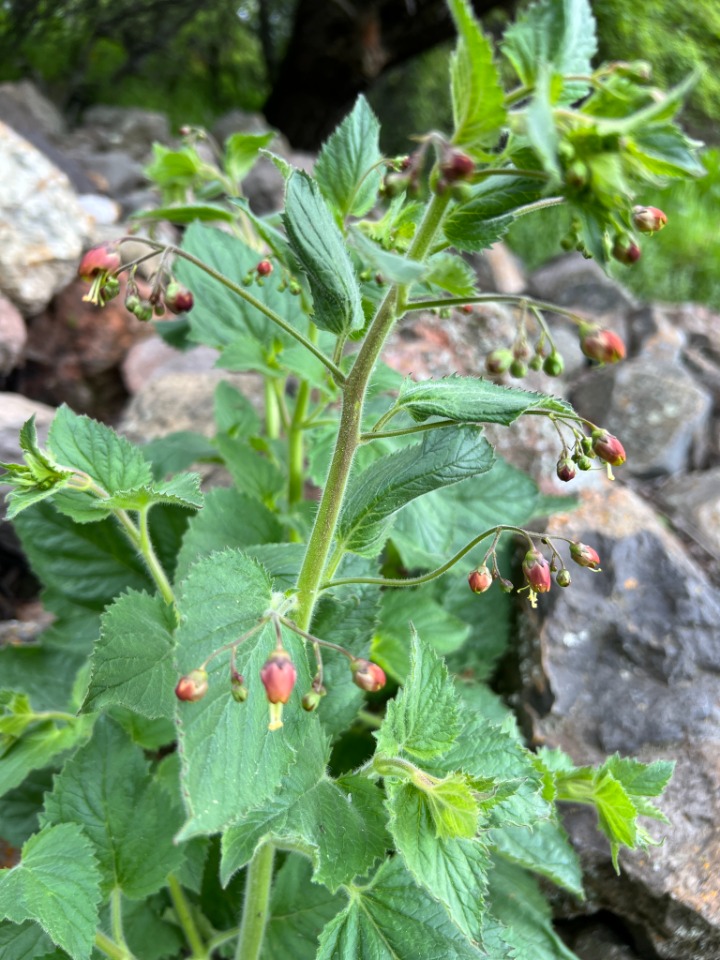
423 719
543 848
187 213
320 248
251 472
399 608
560 33
499 194
177 451
24 941
242 150
452 870
19 808
392 266
37 478
343 169
472 400
339 823
617 814
106 788
640 779
132 662
540 124
37 747
219 315
665 151
182 491
299 909
231 762
228 519
173 167
477 95
57 885
148 928
234 413
452 275
465 232
442 458
394 919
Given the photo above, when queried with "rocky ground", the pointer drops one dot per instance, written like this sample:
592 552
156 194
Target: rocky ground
627 661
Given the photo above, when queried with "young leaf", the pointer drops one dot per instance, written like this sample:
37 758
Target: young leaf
182 491
423 719
106 788
442 458
472 400
451 274
344 167
242 150
394 919
57 885
453 870
37 747
477 95
132 662
320 248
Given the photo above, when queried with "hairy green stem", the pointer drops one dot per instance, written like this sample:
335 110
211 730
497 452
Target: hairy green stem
257 903
296 447
153 564
517 299
183 911
116 923
272 411
111 949
405 431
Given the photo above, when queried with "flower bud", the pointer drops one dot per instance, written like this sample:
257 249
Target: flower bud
311 700
368 675
649 219
518 369
566 469
536 362
553 365
608 448
537 571
264 268
498 361
237 687
193 686
563 578
102 259
278 676
585 556
457 165
626 251
507 586
605 346
584 463
178 299
480 580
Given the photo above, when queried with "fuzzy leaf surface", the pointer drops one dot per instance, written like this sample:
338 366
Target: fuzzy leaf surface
543 848
343 168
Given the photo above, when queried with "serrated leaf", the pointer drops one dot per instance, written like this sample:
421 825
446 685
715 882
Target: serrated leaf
543 848
465 231
57 885
106 788
394 919
132 662
339 823
640 779
228 519
451 274
477 96
242 150
25 941
344 167
665 151
182 491
299 909
177 451
38 746
319 246
472 400
231 762
451 870
442 458
423 719
617 814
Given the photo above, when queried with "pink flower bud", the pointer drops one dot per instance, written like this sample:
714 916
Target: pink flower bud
626 251
566 469
605 346
480 580
102 259
649 219
457 165
264 268
278 676
585 556
178 299
193 686
608 448
368 675
537 571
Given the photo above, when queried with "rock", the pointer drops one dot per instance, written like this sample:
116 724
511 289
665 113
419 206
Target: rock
113 172
659 412
597 941
264 186
693 502
130 130
572 281
42 225
13 336
14 411
628 660
499 269
240 121
25 109
102 211
153 358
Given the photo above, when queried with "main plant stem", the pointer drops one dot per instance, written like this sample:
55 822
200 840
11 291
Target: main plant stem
257 903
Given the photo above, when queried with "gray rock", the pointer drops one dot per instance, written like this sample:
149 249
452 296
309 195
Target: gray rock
499 269
153 358
628 660
238 121
14 411
42 226
13 336
572 281
264 186
655 407
23 107
114 171
693 502
129 129
103 211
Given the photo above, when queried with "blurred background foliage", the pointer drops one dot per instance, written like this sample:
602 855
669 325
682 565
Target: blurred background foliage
309 58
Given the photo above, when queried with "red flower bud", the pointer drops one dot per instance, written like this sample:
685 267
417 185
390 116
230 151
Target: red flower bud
457 166
605 346
608 448
537 571
278 676
193 686
368 675
237 687
566 469
585 556
264 268
626 251
480 580
178 299
102 259
649 219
